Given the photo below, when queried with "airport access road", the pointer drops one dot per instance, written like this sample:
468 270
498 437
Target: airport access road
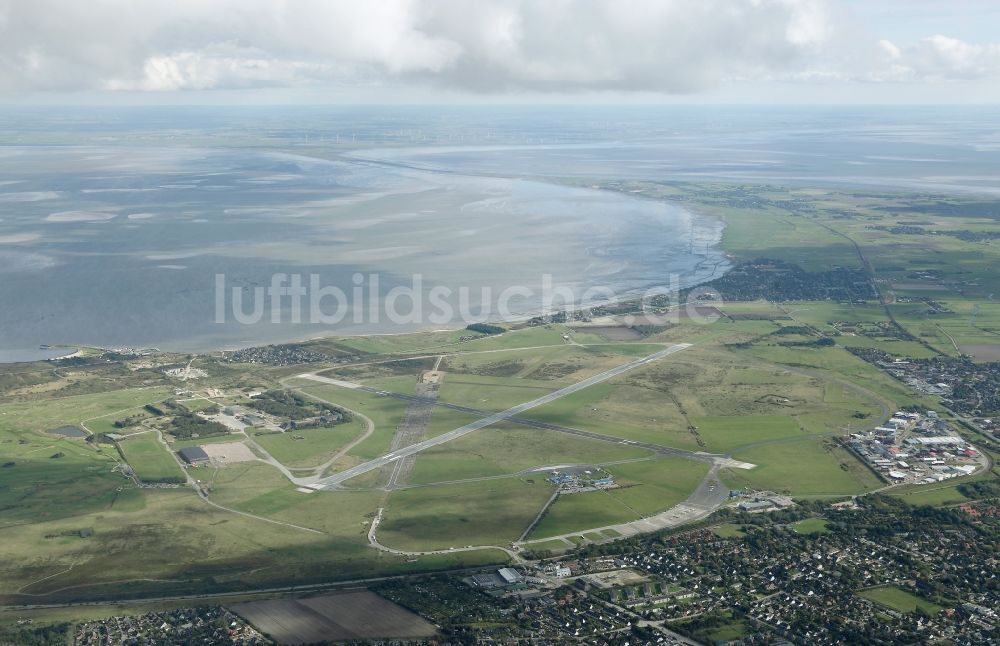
334 481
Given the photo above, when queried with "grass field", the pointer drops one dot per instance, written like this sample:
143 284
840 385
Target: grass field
621 410
309 447
647 488
151 460
810 526
494 512
507 449
934 496
580 511
805 467
650 487
722 434
729 530
50 477
900 600
492 393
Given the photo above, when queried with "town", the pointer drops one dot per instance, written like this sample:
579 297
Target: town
865 571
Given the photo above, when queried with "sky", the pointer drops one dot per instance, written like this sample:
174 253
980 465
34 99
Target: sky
499 51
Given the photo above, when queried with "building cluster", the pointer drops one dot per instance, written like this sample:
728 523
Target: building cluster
776 584
922 381
758 501
966 387
576 480
989 425
277 355
185 372
245 418
201 625
911 448
537 615
877 571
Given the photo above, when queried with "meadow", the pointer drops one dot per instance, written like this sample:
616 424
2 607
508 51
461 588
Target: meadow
150 459
895 598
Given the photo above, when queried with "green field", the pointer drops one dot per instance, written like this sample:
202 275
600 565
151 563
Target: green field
150 459
646 488
729 530
805 467
50 477
494 512
621 410
900 600
810 526
309 447
508 449
650 487
492 393
580 511
933 495
722 434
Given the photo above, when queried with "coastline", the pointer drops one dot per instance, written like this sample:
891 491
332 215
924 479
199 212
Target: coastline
709 263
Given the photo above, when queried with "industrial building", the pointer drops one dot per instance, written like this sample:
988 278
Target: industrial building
510 575
194 455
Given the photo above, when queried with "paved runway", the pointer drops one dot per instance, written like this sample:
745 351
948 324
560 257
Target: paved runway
339 478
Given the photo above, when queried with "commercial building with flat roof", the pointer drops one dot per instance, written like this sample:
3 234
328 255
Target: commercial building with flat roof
509 575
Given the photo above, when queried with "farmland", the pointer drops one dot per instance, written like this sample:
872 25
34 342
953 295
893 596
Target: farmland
336 617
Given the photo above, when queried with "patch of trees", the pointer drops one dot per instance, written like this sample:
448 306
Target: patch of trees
125 422
649 330
979 490
74 362
956 208
966 235
903 229
485 328
155 410
555 317
36 636
188 425
284 403
788 330
505 368
825 342
85 532
777 280
973 236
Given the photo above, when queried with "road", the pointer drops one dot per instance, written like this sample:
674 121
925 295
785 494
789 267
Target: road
336 480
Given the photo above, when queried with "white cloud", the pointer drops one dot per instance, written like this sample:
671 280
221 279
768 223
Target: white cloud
948 58
668 46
